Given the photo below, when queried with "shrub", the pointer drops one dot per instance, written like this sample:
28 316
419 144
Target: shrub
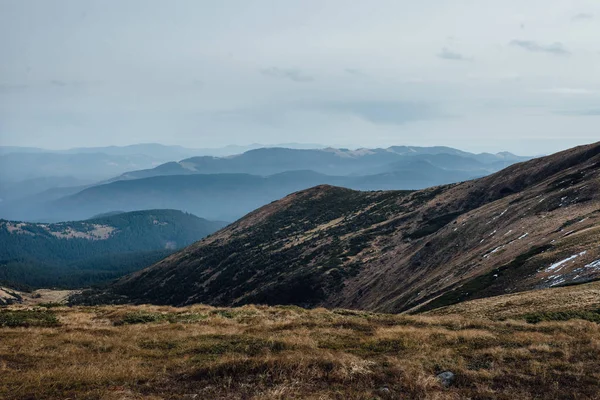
27 318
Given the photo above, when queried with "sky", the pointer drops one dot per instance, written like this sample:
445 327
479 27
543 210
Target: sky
480 75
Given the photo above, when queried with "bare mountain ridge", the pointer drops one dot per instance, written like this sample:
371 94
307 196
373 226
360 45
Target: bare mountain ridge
532 225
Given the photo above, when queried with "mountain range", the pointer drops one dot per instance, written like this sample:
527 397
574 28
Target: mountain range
71 254
330 161
532 225
229 187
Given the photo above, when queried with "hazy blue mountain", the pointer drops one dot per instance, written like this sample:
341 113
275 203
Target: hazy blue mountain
92 251
17 190
224 196
16 167
20 149
228 187
154 150
340 162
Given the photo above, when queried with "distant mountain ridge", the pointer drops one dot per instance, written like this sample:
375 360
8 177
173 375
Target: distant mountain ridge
94 250
229 196
330 161
268 174
532 225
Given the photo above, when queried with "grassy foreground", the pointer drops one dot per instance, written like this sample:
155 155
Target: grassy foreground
199 352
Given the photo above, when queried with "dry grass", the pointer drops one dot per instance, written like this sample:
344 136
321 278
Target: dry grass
580 297
147 352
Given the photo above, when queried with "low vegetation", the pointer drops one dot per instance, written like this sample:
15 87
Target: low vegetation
285 352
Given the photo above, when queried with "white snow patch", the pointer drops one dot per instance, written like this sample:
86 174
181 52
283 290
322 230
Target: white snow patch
557 282
493 251
566 260
523 237
595 264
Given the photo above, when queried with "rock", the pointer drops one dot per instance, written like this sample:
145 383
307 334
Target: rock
384 389
446 378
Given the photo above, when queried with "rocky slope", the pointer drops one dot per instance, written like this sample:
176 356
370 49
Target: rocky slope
531 225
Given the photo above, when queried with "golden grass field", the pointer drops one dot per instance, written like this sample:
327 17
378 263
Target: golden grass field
255 352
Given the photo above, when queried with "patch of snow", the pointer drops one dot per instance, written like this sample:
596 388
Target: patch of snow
523 237
557 282
595 264
493 251
566 260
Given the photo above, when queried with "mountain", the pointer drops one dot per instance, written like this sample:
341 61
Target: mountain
532 225
20 149
329 161
15 167
93 251
11 191
159 151
218 196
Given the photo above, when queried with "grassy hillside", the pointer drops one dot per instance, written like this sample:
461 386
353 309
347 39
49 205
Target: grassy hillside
574 301
83 253
532 225
199 352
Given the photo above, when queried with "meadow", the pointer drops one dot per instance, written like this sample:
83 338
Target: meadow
51 351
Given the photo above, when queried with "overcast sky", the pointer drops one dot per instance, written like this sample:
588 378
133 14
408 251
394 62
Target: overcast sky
481 75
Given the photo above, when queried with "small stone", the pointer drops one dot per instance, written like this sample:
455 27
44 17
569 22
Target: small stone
384 389
446 378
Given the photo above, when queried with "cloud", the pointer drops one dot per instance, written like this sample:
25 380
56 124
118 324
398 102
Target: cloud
354 72
12 87
567 90
581 113
387 112
287 73
582 17
554 48
447 54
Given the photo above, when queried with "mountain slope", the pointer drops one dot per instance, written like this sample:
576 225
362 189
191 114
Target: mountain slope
394 251
95 250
